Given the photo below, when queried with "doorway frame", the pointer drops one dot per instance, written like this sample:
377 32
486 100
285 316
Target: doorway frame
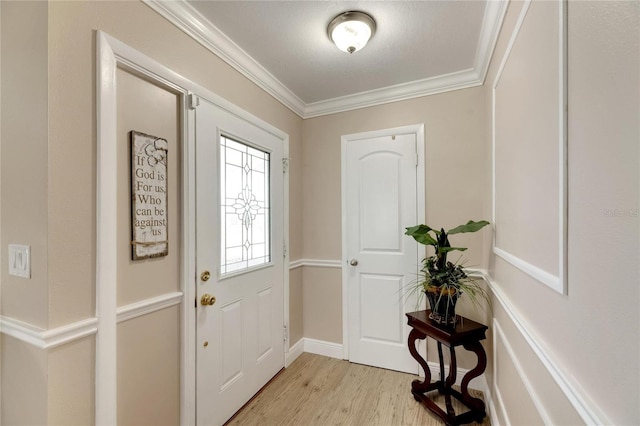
112 54
416 129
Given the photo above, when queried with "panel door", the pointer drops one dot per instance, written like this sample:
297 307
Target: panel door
239 338
382 262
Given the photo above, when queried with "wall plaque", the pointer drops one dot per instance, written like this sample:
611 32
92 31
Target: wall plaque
149 237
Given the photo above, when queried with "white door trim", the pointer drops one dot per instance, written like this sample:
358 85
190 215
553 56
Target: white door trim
418 130
111 55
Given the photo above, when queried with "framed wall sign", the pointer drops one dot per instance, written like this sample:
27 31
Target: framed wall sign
149 237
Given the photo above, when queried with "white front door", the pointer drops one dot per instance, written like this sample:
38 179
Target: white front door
239 242
380 201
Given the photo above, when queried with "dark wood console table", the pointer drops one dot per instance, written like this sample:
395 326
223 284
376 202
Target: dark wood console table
466 333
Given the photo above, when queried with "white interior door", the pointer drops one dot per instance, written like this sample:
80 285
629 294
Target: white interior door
239 227
381 201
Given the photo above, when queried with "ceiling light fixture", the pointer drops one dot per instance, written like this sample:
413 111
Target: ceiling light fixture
351 31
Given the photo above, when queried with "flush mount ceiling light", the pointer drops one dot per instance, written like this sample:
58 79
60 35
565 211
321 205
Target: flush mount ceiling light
351 31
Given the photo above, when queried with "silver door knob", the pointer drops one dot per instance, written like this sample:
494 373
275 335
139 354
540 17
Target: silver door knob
353 262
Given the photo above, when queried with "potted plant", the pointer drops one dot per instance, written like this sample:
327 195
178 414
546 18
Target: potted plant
442 281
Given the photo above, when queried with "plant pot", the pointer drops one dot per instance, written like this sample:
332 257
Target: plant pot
443 304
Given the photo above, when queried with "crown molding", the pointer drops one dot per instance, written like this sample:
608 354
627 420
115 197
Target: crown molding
400 92
194 24
491 26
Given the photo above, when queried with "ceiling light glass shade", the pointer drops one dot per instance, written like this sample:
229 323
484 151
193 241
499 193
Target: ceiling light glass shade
351 31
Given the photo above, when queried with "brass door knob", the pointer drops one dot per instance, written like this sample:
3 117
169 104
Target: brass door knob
205 275
207 300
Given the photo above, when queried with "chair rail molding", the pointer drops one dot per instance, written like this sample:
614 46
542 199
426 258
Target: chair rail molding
318 263
148 306
58 336
51 338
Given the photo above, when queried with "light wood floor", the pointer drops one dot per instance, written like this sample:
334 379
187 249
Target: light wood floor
317 390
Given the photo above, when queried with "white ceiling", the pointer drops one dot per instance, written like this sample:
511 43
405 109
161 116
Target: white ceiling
419 48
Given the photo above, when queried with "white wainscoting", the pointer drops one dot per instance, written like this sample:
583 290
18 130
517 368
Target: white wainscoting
500 338
583 405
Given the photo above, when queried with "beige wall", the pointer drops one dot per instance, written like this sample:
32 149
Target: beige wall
527 141
24 204
454 146
24 157
590 334
149 370
322 304
296 309
24 383
148 367
71 389
147 108
71 90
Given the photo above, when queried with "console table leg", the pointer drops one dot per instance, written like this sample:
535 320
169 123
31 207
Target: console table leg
441 388
453 369
450 381
417 386
475 403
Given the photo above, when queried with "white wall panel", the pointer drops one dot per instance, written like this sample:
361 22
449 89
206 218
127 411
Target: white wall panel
529 146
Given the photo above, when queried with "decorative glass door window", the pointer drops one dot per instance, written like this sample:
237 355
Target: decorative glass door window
245 223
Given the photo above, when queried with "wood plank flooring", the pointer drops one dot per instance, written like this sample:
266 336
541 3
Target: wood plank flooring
319 391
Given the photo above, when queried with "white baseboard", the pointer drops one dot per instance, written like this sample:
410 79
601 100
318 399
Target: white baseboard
294 352
319 347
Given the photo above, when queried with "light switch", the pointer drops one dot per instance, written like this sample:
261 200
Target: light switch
19 260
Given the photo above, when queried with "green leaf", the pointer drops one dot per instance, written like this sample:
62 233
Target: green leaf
425 239
448 249
420 233
470 226
418 229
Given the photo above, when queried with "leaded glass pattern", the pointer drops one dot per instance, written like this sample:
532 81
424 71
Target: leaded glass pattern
245 208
